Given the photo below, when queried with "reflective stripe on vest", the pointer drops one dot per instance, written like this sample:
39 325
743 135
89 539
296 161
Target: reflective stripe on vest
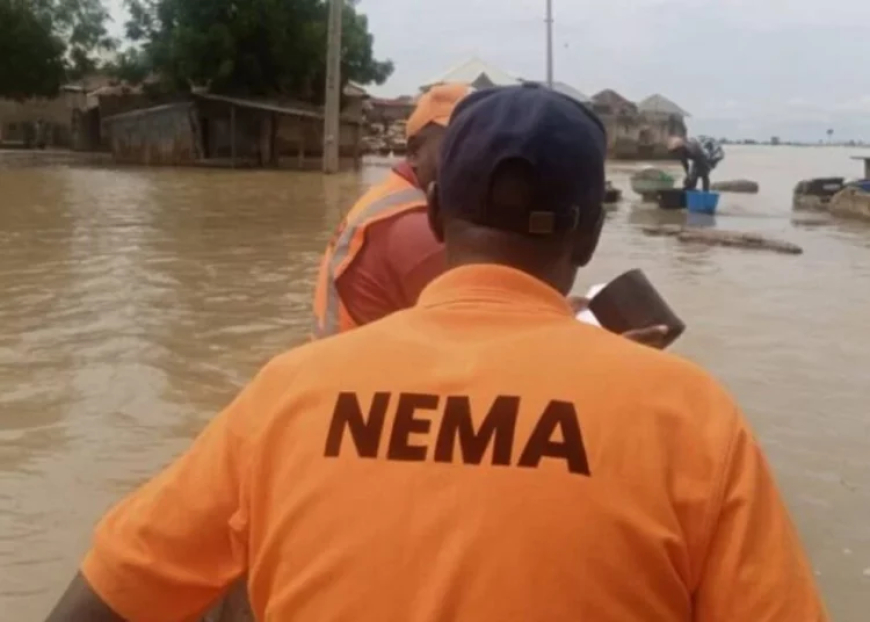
331 317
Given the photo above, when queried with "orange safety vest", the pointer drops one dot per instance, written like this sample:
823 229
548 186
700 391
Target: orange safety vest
394 196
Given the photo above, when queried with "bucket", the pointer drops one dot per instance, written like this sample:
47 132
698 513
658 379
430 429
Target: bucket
702 202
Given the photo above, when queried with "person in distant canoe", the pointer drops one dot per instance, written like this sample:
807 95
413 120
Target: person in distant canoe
699 156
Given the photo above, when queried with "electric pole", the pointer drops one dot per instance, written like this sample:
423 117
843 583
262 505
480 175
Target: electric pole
332 102
549 21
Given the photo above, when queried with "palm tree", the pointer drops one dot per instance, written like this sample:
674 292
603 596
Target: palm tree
830 134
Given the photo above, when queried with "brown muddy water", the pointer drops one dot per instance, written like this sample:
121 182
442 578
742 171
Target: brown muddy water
134 303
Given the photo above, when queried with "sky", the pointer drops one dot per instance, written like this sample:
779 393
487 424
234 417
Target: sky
741 68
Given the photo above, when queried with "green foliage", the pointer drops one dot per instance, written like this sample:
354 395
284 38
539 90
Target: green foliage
81 25
131 65
251 47
31 55
46 42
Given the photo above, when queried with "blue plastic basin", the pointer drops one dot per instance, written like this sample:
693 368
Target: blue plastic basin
702 202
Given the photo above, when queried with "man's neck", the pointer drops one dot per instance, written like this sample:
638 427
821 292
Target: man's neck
406 172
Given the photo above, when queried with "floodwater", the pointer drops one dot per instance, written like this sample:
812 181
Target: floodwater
134 303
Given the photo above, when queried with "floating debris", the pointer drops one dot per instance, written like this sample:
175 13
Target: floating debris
852 202
815 194
720 237
744 186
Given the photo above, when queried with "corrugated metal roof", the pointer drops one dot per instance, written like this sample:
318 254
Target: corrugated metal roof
266 106
570 91
611 97
250 104
470 70
355 89
661 104
261 105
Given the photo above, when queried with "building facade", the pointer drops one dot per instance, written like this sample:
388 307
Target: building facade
635 130
217 130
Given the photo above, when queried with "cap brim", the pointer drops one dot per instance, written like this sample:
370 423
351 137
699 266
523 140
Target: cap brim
442 121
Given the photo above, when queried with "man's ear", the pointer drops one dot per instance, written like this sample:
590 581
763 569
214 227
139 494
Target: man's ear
436 223
412 151
586 238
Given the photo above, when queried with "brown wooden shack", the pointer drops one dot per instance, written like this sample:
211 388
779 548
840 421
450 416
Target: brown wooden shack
218 130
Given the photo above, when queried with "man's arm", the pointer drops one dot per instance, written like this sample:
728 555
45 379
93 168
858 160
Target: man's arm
171 548
400 258
755 567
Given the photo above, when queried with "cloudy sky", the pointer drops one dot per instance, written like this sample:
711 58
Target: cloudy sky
742 68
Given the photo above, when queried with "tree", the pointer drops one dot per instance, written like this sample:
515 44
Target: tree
131 65
251 47
31 55
46 42
81 25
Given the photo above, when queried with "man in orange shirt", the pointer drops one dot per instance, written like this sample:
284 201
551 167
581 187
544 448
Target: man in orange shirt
383 253
480 456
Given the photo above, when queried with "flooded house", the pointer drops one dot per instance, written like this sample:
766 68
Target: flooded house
638 130
385 124
216 130
89 133
661 118
635 130
389 110
44 121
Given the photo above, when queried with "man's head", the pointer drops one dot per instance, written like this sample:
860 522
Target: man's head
521 183
426 126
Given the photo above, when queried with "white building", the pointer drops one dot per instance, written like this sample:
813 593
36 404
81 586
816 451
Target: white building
475 72
659 104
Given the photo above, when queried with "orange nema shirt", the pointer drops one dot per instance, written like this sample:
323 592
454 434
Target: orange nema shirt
482 456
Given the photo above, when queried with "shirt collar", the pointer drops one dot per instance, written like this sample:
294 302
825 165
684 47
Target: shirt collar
492 283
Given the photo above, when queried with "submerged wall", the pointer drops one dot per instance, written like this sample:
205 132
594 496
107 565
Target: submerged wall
162 135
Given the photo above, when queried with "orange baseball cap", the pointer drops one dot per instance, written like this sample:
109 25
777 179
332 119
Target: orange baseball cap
435 106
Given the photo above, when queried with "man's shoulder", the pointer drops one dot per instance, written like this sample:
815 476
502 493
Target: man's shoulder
390 185
647 369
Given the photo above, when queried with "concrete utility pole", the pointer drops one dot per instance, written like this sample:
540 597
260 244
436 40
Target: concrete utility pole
549 21
332 107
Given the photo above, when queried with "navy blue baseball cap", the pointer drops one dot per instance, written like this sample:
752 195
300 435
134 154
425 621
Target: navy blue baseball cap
562 143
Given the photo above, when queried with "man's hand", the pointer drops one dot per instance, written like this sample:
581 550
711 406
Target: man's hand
652 336
578 303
